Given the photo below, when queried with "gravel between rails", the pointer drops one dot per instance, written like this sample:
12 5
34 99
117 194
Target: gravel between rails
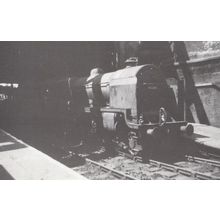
143 171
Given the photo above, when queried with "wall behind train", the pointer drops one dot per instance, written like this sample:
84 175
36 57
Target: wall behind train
205 106
198 65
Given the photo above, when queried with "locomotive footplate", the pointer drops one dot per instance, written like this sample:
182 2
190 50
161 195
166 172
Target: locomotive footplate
169 128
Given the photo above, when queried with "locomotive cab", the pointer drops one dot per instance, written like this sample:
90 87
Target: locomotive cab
141 90
153 93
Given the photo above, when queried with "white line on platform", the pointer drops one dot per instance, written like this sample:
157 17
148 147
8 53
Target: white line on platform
6 143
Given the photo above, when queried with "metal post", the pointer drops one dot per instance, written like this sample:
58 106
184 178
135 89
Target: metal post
184 101
181 105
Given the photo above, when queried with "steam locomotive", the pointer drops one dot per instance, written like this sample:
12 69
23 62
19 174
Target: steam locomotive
132 107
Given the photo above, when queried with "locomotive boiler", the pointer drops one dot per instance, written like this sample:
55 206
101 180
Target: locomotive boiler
131 106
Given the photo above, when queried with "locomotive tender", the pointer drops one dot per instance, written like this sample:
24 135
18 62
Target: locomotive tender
131 106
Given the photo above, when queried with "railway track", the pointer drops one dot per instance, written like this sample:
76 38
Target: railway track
192 168
124 167
184 171
117 174
93 169
203 160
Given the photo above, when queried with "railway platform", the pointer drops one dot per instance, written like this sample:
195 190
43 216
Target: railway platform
206 136
19 161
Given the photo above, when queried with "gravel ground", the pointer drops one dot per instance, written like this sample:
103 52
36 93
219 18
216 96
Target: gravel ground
93 172
143 171
124 165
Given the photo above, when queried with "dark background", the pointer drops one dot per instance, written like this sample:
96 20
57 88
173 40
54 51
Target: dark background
39 61
31 62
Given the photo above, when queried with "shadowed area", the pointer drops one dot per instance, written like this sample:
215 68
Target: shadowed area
11 146
4 174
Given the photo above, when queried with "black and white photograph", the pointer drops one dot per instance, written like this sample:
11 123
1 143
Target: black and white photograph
110 110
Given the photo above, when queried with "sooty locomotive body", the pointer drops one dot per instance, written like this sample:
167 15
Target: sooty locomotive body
131 106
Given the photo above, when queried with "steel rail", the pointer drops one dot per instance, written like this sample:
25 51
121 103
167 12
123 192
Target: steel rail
129 156
202 160
115 173
183 171
178 170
